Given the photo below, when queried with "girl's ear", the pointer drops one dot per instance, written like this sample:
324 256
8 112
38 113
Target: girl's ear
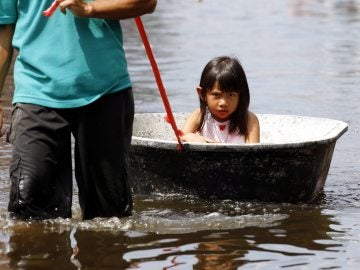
199 91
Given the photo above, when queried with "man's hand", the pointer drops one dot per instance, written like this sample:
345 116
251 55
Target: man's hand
79 8
108 9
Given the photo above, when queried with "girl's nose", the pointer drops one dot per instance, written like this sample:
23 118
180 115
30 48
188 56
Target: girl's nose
222 102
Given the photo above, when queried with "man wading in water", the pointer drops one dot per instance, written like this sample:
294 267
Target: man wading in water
71 78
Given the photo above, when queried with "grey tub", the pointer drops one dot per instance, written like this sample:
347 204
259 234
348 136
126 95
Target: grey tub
289 165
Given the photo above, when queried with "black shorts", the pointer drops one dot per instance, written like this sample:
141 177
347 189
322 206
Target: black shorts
41 168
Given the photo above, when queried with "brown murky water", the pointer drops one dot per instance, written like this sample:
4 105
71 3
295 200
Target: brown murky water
301 57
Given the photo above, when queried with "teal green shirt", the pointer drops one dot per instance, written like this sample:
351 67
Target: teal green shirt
63 61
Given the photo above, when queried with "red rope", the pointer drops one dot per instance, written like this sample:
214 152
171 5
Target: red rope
50 11
169 117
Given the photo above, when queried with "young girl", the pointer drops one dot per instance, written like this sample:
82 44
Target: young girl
223 116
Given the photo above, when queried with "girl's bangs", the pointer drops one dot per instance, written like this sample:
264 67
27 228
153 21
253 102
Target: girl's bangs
228 82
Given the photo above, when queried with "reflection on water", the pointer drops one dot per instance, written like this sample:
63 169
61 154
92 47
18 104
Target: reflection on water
302 57
160 236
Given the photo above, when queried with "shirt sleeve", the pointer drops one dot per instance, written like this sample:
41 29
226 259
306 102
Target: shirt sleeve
8 11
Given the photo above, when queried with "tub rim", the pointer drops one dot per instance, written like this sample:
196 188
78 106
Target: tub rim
333 135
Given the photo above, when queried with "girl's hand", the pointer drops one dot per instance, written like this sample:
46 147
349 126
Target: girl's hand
194 137
79 8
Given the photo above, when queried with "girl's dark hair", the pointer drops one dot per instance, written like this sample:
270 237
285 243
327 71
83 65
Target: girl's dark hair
230 76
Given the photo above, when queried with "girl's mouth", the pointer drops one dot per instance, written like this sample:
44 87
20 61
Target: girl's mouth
222 115
222 112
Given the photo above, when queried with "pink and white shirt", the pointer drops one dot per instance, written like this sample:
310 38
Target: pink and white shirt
219 131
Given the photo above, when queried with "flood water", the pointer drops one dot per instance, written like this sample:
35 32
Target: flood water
302 57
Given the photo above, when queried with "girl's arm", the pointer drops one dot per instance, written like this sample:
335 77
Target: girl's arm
190 128
253 133
108 9
192 122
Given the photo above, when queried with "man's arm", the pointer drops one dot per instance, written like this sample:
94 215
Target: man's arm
6 51
108 9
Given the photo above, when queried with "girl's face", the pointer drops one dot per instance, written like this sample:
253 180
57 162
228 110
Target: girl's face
221 104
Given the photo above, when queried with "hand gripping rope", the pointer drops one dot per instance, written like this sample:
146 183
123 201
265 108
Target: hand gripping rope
169 115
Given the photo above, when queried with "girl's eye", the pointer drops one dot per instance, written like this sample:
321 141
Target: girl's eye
232 94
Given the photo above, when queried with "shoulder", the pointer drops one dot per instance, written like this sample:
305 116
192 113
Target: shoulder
195 116
253 128
192 121
252 119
